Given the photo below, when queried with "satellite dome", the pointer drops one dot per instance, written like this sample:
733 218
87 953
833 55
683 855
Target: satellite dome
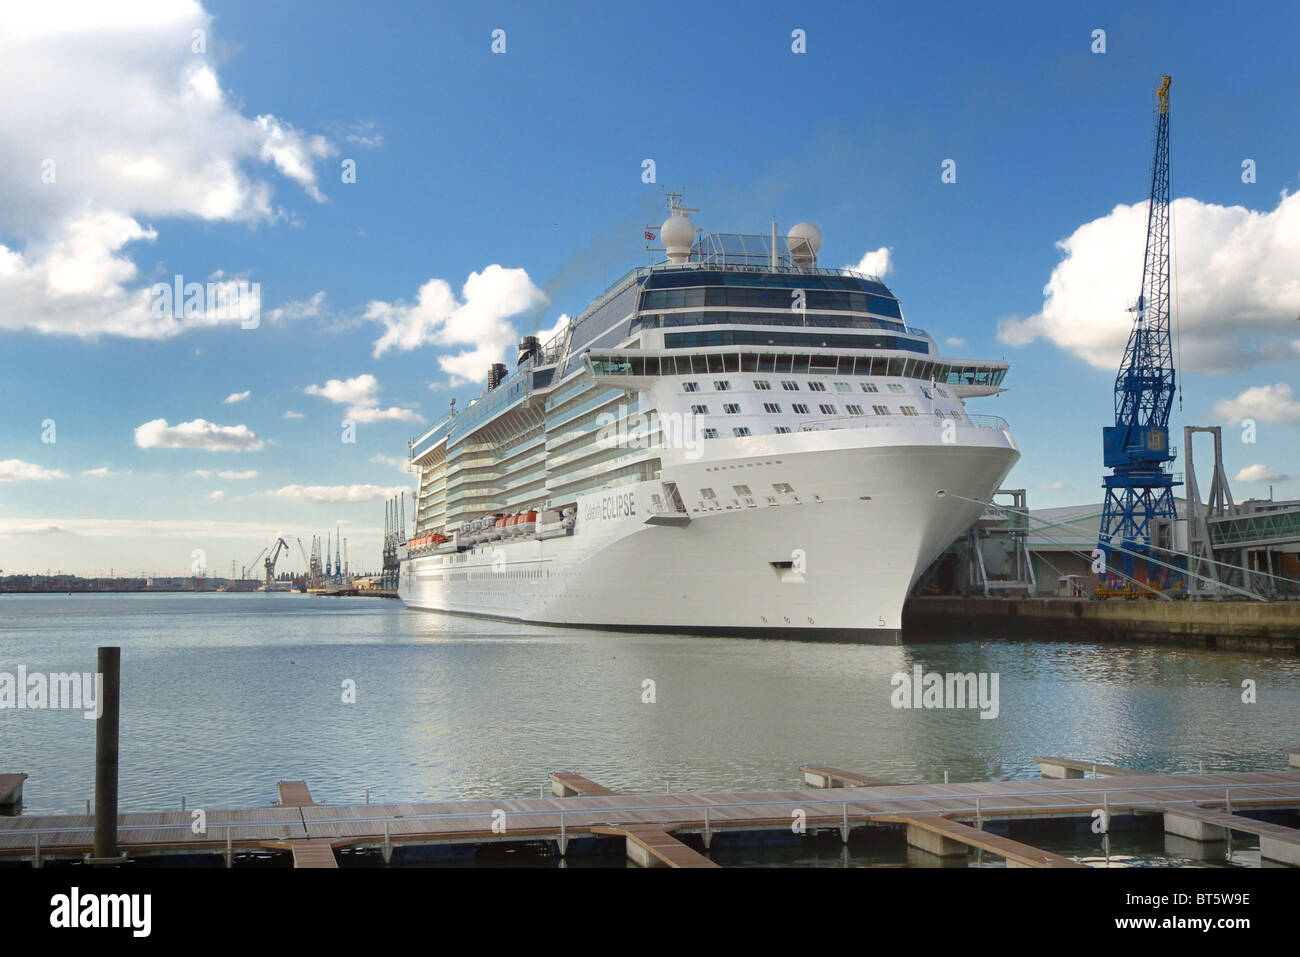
803 241
677 234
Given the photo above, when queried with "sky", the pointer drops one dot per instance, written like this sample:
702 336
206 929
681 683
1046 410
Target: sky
403 189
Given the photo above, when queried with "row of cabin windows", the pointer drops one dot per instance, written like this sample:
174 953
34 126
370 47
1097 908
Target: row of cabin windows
791 385
826 408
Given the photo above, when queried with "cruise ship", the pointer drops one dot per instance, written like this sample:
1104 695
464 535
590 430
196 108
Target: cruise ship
732 441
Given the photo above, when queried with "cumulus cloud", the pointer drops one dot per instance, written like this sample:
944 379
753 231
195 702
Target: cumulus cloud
337 494
113 120
476 322
876 263
397 463
197 434
1237 288
292 415
955 341
361 395
215 496
16 470
1265 403
1259 473
237 397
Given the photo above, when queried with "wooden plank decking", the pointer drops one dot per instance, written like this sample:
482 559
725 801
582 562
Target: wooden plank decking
313 854
568 784
546 818
1016 853
295 794
1070 768
655 842
822 776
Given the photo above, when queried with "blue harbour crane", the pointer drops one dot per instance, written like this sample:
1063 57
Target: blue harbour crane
1139 490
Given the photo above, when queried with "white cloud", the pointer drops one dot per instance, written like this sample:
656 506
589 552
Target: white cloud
16 470
237 397
877 262
1259 473
197 434
218 494
393 460
293 415
337 494
117 122
103 472
955 341
361 395
299 309
1265 403
228 475
1237 288
477 320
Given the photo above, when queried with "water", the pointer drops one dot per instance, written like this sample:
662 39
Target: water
223 695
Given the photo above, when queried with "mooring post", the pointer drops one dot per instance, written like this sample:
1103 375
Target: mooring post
979 818
708 833
945 775
844 824
387 846
182 803
367 797
110 674
564 840
1227 800
230 850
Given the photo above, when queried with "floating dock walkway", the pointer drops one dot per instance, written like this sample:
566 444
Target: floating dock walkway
945 820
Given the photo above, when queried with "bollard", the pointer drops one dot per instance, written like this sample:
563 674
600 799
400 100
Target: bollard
110 662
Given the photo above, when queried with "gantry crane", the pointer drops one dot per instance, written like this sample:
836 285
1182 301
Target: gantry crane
1139 490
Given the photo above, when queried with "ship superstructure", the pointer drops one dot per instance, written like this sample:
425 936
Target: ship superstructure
733 440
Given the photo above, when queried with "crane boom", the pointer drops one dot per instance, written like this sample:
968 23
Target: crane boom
1139 490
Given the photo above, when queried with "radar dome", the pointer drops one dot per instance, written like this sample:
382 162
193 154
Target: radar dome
803 241
677 234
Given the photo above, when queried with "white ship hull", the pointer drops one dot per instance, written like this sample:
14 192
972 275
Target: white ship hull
836 558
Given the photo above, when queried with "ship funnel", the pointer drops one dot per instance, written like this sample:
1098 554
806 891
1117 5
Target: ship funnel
496 372
528 347
803 242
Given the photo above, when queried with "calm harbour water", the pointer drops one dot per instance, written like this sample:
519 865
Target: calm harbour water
223 695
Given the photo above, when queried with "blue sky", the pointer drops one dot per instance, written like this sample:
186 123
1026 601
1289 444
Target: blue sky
532 160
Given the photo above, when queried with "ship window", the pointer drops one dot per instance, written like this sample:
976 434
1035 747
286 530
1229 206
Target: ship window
782 429
827 409
762 385
699 410
908 410
881 409
722 385
896 387
741 490
817 386
740 431
870 387
940 390
710 433
789 386
783 488
843 387
731 408
854 409
771 407
690 387
707 493
800 408
926 392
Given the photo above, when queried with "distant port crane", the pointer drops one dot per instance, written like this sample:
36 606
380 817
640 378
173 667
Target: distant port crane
1139 490
278 544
